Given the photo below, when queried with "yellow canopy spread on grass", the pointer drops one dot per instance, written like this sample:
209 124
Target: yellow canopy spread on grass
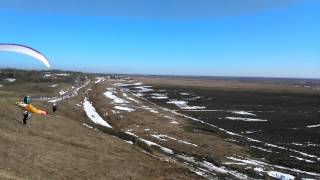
31 108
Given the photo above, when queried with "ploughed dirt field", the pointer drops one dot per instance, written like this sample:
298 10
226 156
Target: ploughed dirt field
158 128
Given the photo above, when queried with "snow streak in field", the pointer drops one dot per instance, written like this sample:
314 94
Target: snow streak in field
184 105
150 143
159 96
144 88
130 98
93 115
114 98
313 126
121 108
53 85
99 79
243 113
260 164
125 85
245 119
10 80
163 137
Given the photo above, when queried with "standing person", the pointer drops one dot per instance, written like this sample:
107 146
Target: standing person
26 116
54 108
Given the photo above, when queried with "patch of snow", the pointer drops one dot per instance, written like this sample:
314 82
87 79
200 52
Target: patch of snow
202 110
149 143
212 167
53 85
163 137
62 74
186 158
99 79
194 98
174 122
113 90
129 142
280 176
169 117
121 108
143 89
231 140
185 94
55 99
258 169
86 125
1 85
131 99
93 115
313 126
245 119
302 159
206 167
150 109
243 113
114 98
10 80
125 85
184 105
115 112
297 144
261 149
234 163
314 145
134 100
159 137
250 132
159 96
63 92
78 105
130 133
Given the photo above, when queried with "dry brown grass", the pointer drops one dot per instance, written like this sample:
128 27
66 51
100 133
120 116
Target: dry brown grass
60 147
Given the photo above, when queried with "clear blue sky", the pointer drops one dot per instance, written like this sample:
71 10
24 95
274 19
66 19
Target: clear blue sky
269 38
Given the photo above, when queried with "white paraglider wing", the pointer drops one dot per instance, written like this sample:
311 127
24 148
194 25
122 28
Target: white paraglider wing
26 51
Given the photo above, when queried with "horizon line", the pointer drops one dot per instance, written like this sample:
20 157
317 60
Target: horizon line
168 75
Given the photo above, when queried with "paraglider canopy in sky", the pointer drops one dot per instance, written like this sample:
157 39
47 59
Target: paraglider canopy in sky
22 49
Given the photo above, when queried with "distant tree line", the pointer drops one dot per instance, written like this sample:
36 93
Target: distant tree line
40 76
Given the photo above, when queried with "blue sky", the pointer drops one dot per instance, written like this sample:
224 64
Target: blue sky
217 38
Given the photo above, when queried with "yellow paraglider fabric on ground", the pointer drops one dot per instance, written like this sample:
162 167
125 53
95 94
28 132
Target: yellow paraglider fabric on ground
32 109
